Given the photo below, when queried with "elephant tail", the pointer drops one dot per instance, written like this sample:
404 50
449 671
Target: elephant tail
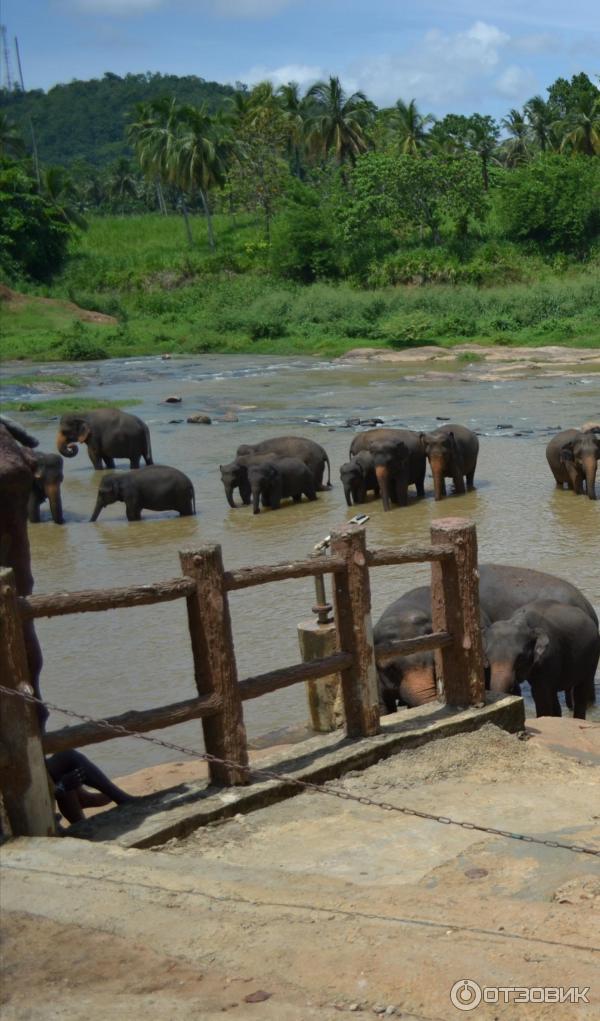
148 452
328 472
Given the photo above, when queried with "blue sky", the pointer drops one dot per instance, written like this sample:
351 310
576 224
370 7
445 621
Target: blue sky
459 56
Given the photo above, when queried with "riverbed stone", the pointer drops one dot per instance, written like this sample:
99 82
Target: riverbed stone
173 399
199 419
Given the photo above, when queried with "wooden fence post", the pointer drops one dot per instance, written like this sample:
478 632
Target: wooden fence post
455 608
324 696
23 776
352 598
215 668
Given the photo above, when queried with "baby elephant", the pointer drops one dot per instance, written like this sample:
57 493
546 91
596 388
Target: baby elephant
358 477
46 486
155 487
573 456
553 646
273 481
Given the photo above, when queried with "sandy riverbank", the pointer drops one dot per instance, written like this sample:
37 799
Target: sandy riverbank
480 362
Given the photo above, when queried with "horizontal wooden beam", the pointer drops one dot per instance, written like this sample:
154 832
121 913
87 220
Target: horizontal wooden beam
58 604
253 687
408 555
245 577
388 651
137 721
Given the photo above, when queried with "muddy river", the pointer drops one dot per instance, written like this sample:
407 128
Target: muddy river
105 663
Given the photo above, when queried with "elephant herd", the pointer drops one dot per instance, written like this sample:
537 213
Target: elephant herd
535 627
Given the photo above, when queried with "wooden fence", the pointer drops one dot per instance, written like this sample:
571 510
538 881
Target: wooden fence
205 585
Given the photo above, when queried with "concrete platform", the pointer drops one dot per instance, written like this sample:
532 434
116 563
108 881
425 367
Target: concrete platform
324 908
182 809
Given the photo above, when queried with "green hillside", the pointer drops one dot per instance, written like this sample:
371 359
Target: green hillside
86 120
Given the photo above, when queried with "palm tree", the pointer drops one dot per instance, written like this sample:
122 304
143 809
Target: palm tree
408 126
338 122
516 147
294 110
152 135
539 116
197 161
58 189
122 181
11 143
580 129
482 139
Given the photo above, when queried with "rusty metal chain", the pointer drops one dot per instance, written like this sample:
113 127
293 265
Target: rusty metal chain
335 792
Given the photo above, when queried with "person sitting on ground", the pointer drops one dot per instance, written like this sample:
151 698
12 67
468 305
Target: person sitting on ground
72 773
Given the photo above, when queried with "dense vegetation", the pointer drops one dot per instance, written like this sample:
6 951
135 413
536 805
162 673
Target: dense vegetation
302 217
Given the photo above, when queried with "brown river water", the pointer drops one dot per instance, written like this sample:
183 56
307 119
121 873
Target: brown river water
105 663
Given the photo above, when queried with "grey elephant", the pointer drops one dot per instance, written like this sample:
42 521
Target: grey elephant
313 454
552 646
358 477
235 475
503 590
155 487
273 481
452 454
399 462
108 433
46 486
573 458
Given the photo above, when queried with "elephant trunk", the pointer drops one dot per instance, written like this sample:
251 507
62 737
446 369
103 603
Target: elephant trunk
348 494
256 500
502 677
382 476
54 499
418 685
437 470
97 508
65 446
590 465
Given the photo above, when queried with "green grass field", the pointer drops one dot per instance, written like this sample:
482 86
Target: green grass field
168 297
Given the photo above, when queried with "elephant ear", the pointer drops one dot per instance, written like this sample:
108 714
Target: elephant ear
542 642
424 440
566 452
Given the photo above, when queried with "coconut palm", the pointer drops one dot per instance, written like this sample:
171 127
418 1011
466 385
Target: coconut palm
338 122
515 148
580 129
294 111
122 181
58 190
153 135
408 127
482 139
539 117
11 143
197 161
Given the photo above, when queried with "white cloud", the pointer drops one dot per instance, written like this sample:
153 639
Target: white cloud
304 74
516 83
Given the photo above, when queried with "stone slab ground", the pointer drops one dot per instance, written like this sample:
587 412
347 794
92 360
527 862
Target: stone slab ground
334 908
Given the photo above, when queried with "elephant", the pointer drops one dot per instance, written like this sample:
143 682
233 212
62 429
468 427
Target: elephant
552 646
272 481
46 486
17 471
155 487
503 590
313 454
399 462
235 475
358 477
573 458
452 453
108 433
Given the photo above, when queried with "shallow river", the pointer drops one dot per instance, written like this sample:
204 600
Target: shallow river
105 663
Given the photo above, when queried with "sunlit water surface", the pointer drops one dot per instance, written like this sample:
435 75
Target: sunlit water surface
105 663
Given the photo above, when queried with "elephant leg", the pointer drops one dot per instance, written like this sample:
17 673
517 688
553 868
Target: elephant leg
546 701
134 462
580 700
133 510
459 484
402 492
95 457
109 462
33 509
297 498
420 483
470 476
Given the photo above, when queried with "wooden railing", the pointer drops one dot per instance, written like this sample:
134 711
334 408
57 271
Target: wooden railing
218 702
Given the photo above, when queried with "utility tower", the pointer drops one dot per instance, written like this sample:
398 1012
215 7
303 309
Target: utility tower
7 76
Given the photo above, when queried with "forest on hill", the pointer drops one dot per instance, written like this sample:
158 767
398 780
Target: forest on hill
268 192
84 121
